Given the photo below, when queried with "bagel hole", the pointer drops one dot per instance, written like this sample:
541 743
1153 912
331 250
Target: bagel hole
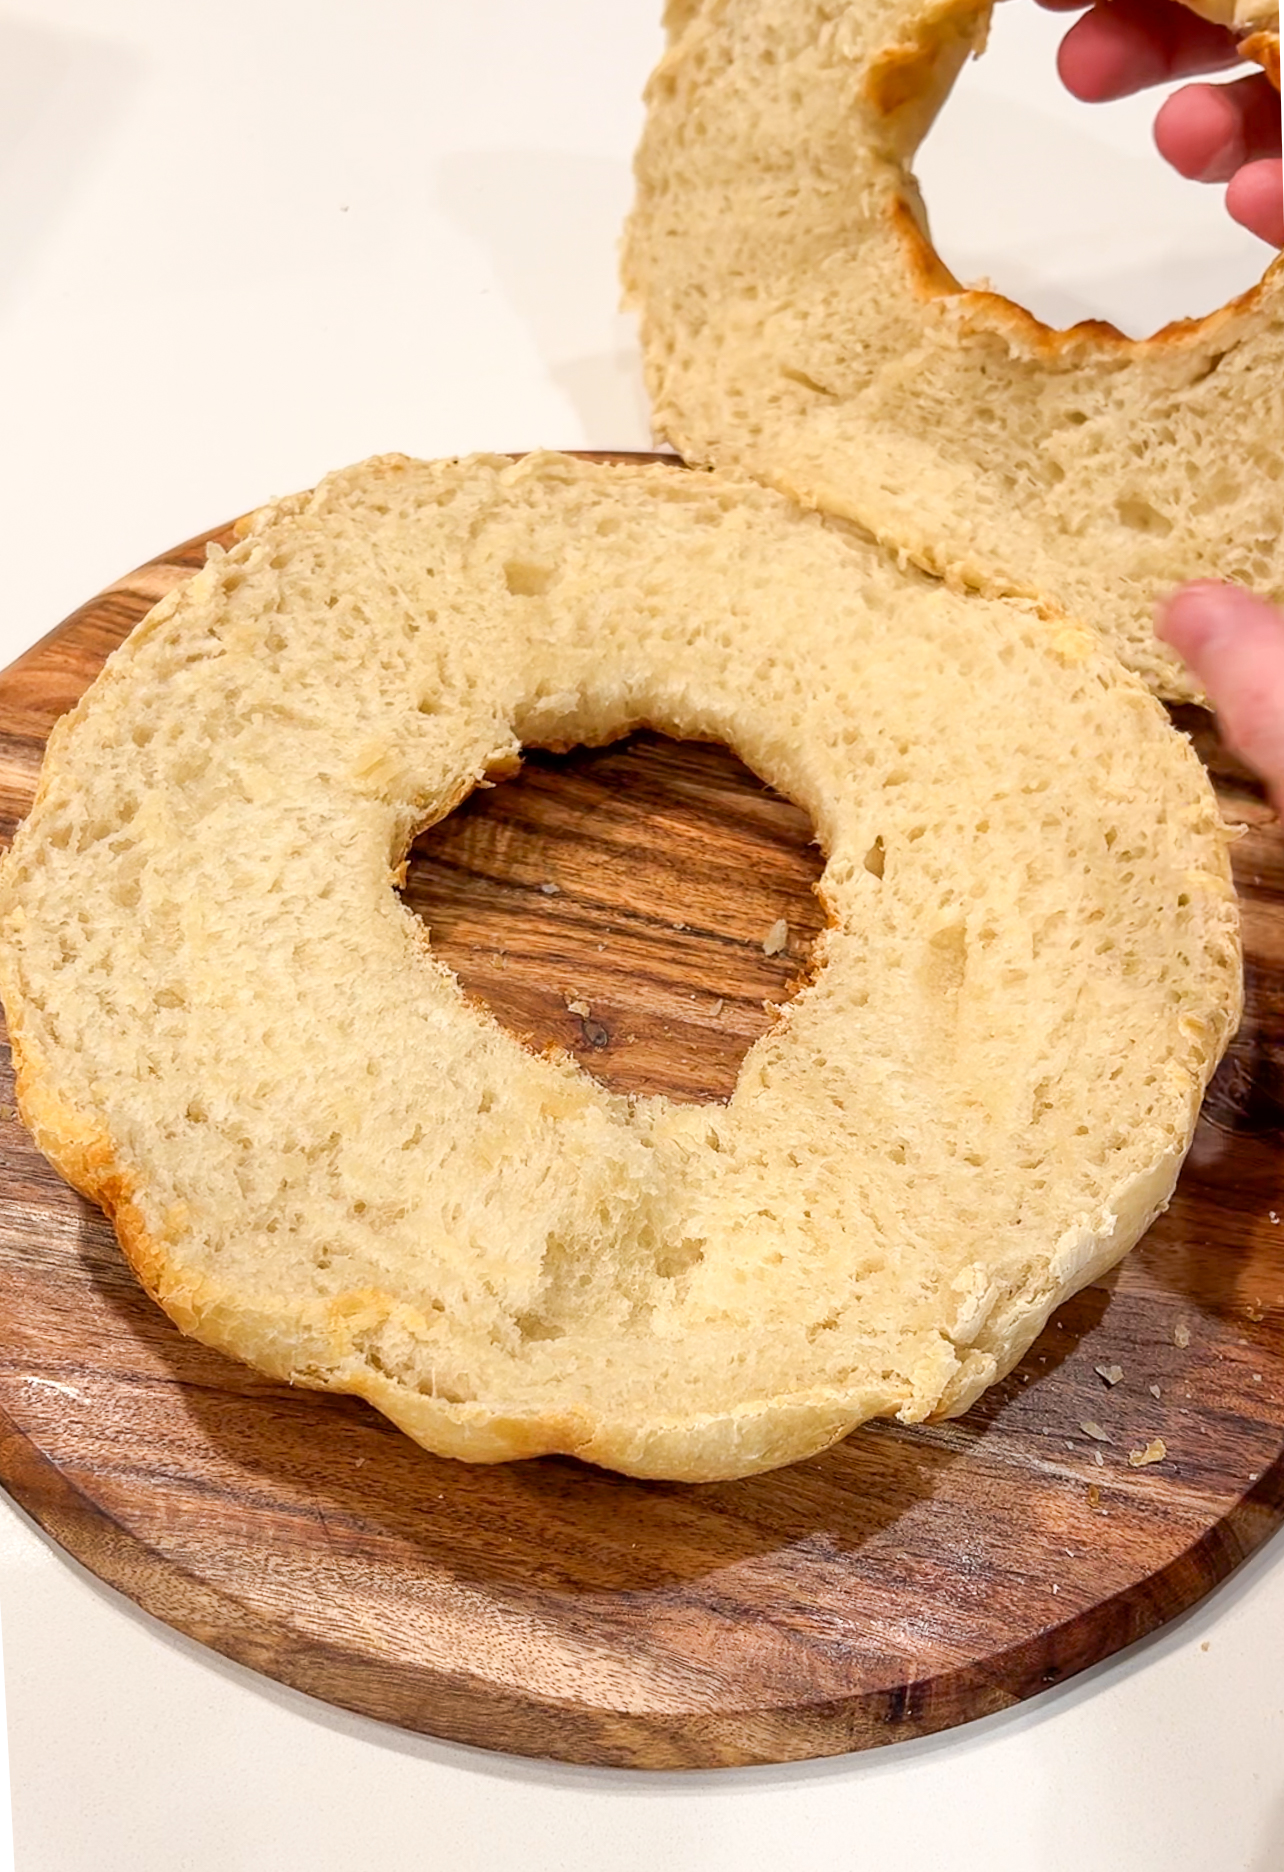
1067 208
646 907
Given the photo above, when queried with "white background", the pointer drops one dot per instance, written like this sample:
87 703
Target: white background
243 244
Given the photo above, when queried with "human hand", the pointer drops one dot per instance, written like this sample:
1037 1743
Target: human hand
1211 133
1234 643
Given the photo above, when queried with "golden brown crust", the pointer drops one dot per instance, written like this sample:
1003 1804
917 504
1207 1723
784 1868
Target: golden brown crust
927 63
700 1449
984 310
922 69
1264 49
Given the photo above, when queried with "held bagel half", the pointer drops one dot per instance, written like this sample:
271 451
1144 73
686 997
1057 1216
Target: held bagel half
321 1158
798 324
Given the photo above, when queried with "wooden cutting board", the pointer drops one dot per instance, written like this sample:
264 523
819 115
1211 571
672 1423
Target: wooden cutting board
616 902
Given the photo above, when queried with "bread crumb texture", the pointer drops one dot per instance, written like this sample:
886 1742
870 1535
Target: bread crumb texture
322 1159
798 324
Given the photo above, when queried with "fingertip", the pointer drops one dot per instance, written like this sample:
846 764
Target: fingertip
1207 623
1123 46
1234 644
1255 199
1104 57
1197 131
1196 614
1070 66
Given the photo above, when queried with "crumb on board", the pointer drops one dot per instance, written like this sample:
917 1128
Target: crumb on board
1274 1218
1095 1431
50 1384
1109 1374
581 1008
777 938
1153 1390
1155 1451
1094 1495
550 889
1255 1310
1204 1646
1099 1459
1181 1333
716 1009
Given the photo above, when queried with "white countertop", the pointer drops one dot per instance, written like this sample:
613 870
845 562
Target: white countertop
240 245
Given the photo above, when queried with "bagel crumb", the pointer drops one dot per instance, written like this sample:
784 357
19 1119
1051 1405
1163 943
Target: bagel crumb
1181 1334
777 938
1155 1451
1110 1374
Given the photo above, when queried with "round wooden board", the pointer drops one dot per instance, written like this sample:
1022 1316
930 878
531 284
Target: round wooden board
905 1581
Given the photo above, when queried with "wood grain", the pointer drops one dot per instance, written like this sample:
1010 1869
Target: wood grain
903 1582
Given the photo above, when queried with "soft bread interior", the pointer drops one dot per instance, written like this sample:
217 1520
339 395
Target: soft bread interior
798 324
322 1159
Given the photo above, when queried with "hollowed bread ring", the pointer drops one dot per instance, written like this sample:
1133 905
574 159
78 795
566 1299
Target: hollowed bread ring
322 1158
798 324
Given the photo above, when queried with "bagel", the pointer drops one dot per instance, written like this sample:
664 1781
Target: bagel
321 1158
797 324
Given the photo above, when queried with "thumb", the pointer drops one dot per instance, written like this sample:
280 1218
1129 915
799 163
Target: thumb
1234 643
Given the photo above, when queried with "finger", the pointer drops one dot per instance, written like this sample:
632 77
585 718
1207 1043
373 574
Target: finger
1123 46
1255 199
1208 132
1235 645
